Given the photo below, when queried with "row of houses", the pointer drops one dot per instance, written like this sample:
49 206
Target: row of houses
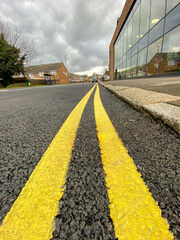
53 73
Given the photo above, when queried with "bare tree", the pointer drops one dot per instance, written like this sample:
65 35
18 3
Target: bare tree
105 67
15 38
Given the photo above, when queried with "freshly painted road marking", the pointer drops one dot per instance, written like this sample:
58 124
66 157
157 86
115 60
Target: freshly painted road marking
134 212
32 214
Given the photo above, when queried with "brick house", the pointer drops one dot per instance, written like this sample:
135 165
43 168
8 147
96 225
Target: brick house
55 71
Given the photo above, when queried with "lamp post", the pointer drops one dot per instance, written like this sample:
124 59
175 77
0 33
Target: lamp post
65 60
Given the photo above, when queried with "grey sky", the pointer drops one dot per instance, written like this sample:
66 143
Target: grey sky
80 29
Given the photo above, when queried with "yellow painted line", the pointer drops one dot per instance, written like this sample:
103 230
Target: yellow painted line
134 212
32 214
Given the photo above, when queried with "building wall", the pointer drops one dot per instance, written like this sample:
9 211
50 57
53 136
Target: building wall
146 40
122 18
62 74
36 75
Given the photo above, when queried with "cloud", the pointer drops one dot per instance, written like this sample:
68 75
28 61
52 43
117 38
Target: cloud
99 70
78 29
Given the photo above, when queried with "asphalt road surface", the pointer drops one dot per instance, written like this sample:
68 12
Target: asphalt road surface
29 120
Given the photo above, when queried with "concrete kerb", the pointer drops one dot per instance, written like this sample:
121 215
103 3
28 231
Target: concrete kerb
146 110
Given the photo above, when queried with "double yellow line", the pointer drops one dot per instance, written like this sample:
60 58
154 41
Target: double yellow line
134 212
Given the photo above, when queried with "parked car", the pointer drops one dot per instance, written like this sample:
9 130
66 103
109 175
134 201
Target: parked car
94 79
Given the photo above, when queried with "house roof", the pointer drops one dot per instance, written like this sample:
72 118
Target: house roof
75 75
43 68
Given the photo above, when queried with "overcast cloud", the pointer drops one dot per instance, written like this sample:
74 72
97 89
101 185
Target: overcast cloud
81 30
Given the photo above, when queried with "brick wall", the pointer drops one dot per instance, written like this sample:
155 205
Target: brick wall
62 74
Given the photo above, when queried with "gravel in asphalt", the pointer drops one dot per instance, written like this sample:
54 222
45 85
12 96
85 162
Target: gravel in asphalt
84 207
29 120
155 151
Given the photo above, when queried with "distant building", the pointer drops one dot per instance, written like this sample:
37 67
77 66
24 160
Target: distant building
54 71
146 40
75 78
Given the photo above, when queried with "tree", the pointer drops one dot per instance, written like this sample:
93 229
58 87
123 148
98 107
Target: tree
94 74
105 66
10 61
15 38
15 52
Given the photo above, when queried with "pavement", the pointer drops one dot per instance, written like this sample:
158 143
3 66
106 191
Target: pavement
156 97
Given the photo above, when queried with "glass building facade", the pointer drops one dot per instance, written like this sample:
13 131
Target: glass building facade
149 42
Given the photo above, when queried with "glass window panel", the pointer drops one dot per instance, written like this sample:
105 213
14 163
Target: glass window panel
135 22
129 54
128 75
156 32
143 42
129 41
141 65
120 51
124 70
135 5
135 49
171 4
144 17
114 54
125 41
130 15
154 57
157 11
120 48
31 75
172 19
116 51
122 43
118 72
133 66
124 58
120 61
171 51
122 39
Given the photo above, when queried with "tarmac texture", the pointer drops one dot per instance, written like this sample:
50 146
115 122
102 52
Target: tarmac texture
31 119
33 212
84 207
154 149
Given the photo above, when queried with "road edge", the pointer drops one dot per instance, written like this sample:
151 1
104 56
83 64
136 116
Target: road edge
146 110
